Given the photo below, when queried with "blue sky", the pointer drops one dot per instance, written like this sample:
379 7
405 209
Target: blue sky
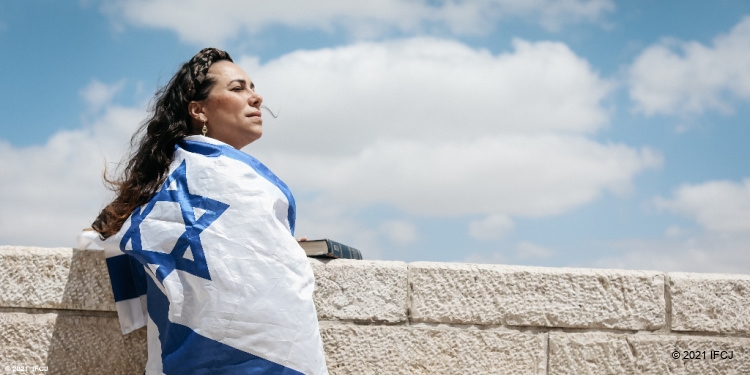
583 133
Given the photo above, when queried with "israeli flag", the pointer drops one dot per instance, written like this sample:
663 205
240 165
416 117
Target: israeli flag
211 266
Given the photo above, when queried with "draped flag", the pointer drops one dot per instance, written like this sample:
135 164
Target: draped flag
211 266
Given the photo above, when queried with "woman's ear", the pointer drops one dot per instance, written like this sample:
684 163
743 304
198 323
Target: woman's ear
195 110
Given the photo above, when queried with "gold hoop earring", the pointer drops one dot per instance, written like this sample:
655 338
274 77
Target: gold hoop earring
205 129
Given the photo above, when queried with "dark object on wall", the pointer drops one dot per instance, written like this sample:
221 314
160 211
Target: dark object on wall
329 249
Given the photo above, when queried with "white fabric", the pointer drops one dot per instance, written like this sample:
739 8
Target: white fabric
259 295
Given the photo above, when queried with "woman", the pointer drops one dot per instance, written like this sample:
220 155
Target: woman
204 233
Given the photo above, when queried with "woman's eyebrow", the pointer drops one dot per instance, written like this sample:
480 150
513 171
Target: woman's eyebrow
241 81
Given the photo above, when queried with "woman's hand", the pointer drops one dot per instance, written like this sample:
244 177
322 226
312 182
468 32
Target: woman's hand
302 239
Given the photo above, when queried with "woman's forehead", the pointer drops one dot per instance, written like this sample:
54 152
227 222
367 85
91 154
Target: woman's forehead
227 70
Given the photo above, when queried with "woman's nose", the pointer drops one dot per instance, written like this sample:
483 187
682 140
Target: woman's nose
255 99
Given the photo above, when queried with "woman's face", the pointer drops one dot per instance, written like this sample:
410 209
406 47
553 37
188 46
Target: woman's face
232 108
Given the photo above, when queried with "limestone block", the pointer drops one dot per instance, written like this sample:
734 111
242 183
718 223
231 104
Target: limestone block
71 344
356 349
360 290
710 302
536 296
57 278
25 339
598 353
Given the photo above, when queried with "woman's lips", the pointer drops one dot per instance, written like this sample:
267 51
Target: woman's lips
255 114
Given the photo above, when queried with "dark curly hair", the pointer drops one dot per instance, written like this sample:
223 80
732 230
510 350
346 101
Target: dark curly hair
152 146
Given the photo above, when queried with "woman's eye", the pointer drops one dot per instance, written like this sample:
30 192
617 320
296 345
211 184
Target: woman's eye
238 88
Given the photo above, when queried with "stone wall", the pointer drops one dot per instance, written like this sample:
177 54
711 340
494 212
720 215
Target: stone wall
381 317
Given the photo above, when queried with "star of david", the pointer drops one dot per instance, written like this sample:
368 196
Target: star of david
198 212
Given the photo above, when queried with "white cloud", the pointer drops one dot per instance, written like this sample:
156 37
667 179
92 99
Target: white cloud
512 175
681 128
427 89
400 232
318 218
688 77
492 227
524 251
217 21
434 127
97 94
718 206
50 192
721 208
702 253
528 250
493 258
673 231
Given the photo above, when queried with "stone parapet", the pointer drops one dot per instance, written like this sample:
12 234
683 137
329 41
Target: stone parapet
382 317
710 303
360 290
374 349
536 297
56 278
647 354
69 344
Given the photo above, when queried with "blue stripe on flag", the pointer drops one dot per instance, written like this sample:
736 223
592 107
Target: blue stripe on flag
212 150
184 351
121 275
139 276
